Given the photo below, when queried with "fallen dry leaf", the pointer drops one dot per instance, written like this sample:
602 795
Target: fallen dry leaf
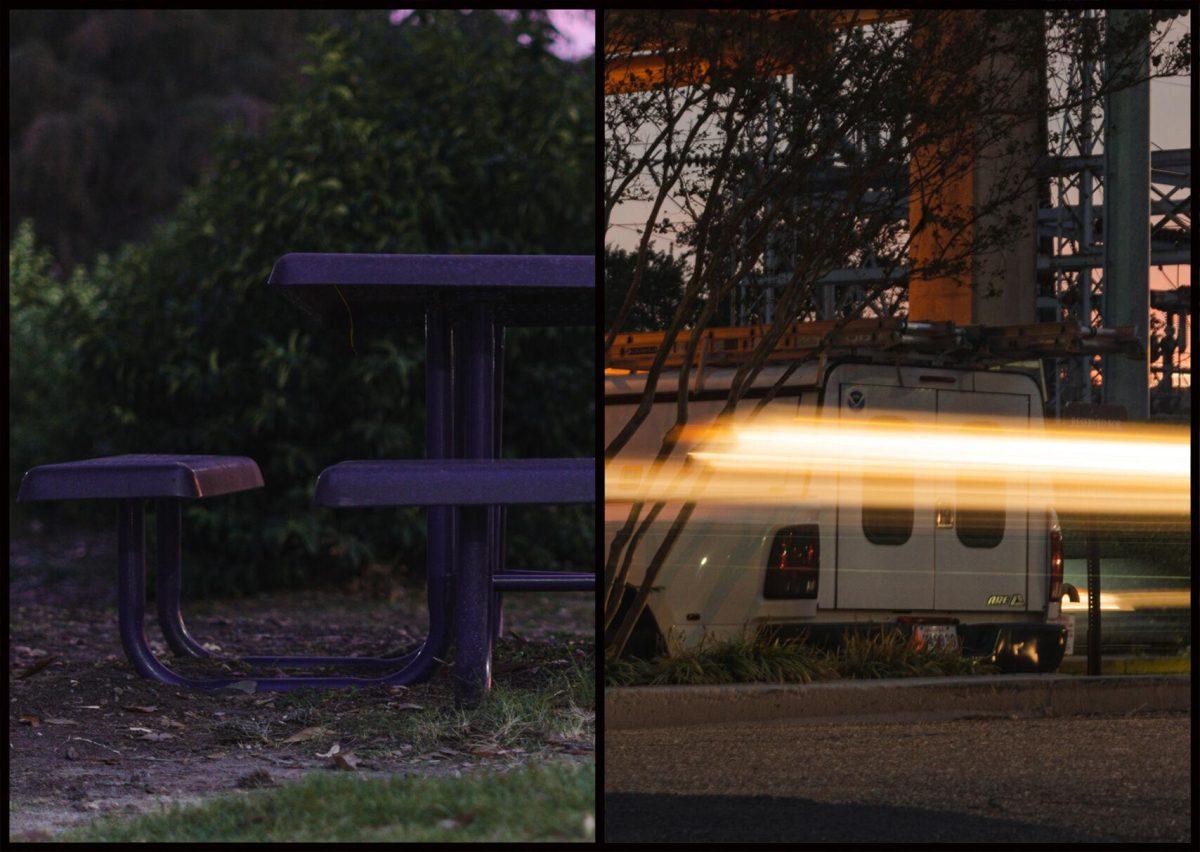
345 760
140 708
246 686
334 749
71 753
30 720
171 723
51 721
155 737
307 734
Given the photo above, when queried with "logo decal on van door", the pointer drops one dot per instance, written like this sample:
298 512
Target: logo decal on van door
1006 600
856 399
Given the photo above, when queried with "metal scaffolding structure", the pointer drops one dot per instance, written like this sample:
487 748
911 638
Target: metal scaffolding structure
1077 256
1081 247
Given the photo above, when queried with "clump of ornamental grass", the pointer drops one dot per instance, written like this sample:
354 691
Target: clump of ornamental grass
887 653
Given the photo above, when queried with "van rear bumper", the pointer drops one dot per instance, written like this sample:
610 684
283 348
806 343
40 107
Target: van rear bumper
1016 647
1013 647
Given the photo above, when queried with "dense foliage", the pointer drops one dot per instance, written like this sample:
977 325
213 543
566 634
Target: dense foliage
113 112
657 297
444 134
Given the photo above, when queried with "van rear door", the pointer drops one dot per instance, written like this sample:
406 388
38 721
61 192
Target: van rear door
981 556
885 555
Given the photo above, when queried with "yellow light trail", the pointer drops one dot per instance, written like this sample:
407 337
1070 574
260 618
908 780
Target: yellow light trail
1132 600
1135 469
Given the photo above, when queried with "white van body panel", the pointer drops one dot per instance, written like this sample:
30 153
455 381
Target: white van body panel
712 580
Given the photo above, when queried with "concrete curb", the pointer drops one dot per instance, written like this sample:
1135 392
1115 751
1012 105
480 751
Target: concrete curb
883 700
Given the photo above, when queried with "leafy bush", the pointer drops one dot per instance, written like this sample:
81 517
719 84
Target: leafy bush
440 135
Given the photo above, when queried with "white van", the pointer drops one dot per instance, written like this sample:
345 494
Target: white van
989 580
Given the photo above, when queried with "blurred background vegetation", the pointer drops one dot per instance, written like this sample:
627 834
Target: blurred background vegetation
161 161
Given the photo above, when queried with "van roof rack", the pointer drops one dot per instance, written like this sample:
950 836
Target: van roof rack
885 340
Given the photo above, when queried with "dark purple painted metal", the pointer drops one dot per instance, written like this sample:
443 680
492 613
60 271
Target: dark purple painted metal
131 476
131 610
531 290
473 628
168 576
544 581
168 573
457 482
497 514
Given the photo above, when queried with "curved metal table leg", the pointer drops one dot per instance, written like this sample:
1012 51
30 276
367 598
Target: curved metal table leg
131 609
168 519
168 575
440 531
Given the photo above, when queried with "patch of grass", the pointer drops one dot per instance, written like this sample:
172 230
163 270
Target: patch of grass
728 661
771 660
544 696
552 802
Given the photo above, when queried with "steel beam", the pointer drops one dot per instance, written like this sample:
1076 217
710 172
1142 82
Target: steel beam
1127 148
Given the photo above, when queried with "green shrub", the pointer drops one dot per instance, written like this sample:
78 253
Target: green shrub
441 135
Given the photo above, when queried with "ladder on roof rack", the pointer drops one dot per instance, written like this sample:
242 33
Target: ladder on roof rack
885 340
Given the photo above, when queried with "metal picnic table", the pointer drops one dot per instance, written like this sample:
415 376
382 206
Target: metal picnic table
465 302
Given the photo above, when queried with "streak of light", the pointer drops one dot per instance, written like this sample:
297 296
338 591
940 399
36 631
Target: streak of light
1133 599
885 462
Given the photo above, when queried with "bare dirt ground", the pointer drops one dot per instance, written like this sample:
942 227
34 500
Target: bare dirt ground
87 736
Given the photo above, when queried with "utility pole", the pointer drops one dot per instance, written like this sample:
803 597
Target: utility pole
1127 208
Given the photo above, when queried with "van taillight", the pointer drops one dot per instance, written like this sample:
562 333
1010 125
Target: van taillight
1056 564
794 563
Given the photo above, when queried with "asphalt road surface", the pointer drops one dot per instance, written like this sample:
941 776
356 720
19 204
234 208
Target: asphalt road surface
980 779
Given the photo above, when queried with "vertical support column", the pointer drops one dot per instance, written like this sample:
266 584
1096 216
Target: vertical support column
1127 205
498 513
941 179
1092 550
439 444
473 630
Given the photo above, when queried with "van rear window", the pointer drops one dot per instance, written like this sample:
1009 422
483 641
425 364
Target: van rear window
982 526
887 510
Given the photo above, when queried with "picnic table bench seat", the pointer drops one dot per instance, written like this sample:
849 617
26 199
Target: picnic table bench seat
141 476
457 482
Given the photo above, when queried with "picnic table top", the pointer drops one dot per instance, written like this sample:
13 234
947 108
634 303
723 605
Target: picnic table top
390 289
457 482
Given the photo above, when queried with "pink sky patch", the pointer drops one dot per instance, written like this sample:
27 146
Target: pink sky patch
576 29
